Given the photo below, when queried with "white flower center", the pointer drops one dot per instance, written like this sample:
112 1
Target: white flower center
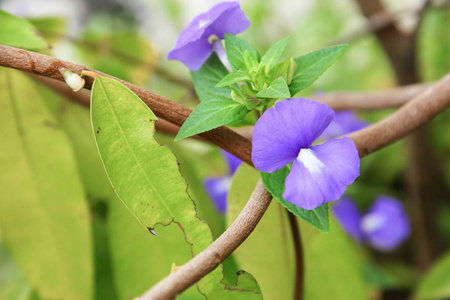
371 223
310 161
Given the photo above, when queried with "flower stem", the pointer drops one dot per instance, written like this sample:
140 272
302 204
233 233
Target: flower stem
220 50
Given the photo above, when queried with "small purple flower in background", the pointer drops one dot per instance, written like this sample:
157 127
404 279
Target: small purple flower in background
344 122
217 187
384 226
196 42
319 173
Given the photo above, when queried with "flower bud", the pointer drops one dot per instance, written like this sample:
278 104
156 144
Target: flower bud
73 80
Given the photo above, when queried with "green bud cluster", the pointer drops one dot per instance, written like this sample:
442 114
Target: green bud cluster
258 82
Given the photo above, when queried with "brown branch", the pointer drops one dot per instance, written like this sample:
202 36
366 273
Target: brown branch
215 254
390 98
163 108
405 120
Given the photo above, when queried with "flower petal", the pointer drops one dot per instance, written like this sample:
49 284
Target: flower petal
193 47
217 189
349 217
283 130
386 225
193 54
321 174
232 161
344 122
231 19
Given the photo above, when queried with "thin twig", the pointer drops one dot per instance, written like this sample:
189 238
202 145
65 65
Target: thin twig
299 265
163 108
390 98
405 120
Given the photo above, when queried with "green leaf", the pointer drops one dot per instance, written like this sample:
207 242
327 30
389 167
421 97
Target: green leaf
236 49
146 175
276 275
273 55
274 182
278 89
44 216
209 115
310 66
207 77
332 265
436 283
20 33
233 77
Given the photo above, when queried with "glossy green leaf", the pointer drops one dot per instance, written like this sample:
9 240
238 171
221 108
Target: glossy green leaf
211 114
207 77
310 66
278 89
20 33
273 266
436 283
145 175
273 55
236 49
274 182
233 77
44 217
332 266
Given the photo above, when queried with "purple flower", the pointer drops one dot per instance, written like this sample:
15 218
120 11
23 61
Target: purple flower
344 122
319 173
384 226
217 187
194 44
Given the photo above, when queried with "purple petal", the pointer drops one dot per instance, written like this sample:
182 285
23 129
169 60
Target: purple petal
344 122
217 189
232 161
282 131
349 217
193 54
231 20
385 225
322 173
193 47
